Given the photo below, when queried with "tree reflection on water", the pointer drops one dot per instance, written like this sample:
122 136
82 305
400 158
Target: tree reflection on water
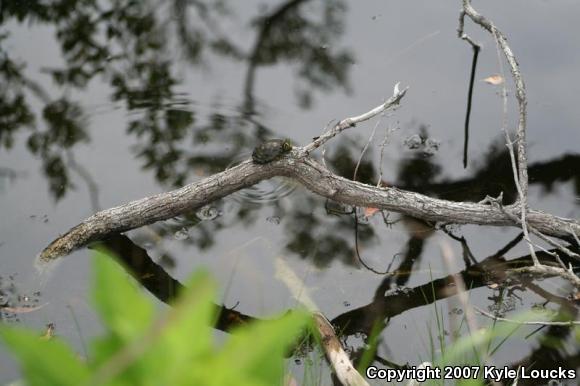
126 44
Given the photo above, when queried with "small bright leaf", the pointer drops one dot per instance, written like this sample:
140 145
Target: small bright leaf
369 212
495 80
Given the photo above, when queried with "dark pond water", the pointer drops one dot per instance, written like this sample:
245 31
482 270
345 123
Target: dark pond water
103 104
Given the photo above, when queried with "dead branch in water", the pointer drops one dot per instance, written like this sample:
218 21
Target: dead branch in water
299 166
314 177
519 167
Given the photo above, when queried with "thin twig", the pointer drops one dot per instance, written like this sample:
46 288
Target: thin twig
365 148
547 240
520 89
509 145
546 270
476 48
461 31
385 142
575 236
554 243
346 123
521 169
323 151
528 323
357 252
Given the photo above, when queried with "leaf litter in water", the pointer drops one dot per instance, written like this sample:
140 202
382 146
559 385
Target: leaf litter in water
21 310
495 80
369 212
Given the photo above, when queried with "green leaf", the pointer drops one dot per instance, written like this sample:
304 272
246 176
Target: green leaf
187 337
258 350
44 362
121 305
178 349
373 340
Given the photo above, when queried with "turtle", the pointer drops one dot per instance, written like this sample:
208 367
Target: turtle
270 150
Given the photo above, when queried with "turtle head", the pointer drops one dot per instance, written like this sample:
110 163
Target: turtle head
286 145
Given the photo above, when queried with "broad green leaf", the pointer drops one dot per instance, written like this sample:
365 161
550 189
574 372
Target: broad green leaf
258 349
177 349
187 337
44 362
121 305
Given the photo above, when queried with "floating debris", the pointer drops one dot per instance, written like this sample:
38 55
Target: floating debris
494 80
413 142
182 234
273 220
427 146
369 212
49 332
208 213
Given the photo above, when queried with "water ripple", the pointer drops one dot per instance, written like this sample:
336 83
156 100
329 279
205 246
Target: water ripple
266 191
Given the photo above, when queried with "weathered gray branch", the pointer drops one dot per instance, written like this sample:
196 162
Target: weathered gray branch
314 177
346 123
527 322
521 169
337 357
520 91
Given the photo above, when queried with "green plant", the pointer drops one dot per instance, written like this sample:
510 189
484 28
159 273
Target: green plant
462 350
140 348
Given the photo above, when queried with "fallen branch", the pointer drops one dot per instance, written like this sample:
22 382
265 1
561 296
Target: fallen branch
314 177
336 355
299 166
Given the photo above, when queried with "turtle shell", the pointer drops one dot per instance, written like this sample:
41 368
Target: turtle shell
270 150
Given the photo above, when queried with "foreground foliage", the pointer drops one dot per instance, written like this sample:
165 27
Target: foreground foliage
140 348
